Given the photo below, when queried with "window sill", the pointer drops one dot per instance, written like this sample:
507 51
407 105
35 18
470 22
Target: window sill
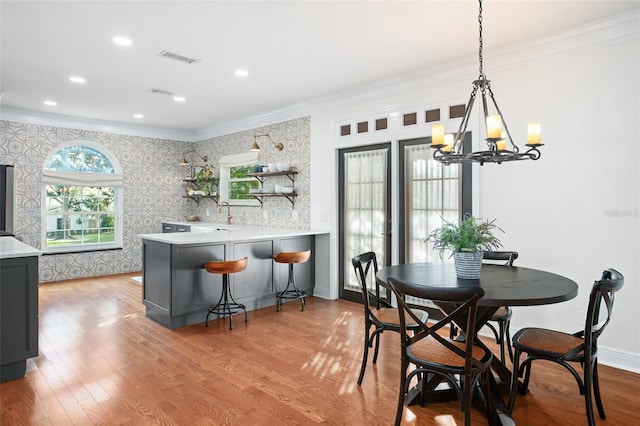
86 249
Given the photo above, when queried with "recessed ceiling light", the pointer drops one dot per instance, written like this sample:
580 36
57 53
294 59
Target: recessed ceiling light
122 41
50 103
138 116
179 98
241 73
76 79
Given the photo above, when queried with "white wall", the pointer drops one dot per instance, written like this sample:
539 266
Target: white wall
576 211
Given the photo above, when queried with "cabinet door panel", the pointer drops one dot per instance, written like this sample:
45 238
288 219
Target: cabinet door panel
257 279
193 287
18 309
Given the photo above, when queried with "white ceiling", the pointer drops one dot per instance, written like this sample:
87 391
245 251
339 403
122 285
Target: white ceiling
295 51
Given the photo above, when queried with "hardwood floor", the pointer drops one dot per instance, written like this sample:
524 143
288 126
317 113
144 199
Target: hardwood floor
103 362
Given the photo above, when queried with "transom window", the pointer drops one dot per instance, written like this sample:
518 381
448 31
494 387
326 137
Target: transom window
82 199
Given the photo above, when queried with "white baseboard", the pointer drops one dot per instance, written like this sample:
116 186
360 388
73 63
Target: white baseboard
321 292
618 358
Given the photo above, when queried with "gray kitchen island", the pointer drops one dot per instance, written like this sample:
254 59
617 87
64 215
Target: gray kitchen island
177 290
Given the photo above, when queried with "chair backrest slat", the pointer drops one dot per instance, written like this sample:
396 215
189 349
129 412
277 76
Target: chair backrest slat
365 265
602 292
464 302
505 256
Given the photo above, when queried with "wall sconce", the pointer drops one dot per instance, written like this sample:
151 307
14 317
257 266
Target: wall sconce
256 147
185 162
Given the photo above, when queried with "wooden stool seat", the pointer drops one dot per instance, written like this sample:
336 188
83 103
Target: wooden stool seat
226 266
292 256
224 305
291 291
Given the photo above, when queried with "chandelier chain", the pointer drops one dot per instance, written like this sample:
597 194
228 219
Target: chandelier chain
482 76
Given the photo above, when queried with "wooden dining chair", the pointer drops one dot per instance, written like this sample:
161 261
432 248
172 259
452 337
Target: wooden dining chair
502 317
564 349
437 358
379 315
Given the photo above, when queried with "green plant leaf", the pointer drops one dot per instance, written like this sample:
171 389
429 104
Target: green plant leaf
470 235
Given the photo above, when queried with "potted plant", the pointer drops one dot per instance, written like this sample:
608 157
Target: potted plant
467 240
206 180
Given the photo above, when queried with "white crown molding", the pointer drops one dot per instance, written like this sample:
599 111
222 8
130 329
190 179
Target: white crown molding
57 120
613 30
609 31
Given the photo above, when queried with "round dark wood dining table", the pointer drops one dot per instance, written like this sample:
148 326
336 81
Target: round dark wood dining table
502 285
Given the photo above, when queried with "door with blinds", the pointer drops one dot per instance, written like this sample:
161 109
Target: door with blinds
364 211
429 192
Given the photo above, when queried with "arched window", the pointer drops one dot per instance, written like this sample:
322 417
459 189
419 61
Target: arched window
82 199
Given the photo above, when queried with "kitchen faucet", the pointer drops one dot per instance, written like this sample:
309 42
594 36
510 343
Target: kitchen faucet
222 204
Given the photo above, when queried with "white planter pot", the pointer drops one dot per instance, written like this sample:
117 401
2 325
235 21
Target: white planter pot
468 264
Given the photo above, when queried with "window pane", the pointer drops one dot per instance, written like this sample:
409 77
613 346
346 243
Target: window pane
240 184
240 190
432 191
364 199
74 215
79 158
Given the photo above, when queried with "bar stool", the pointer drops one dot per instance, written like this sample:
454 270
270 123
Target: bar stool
224 306
293 292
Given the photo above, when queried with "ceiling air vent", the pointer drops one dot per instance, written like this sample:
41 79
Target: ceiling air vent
161 91
177 57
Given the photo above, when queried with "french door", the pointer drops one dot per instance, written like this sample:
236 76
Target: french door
364 211
428 192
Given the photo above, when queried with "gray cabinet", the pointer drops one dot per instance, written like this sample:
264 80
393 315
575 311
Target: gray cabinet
177 290
18 315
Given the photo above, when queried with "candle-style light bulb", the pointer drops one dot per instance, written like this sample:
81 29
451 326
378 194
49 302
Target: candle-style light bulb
534 134
448 141
494 123
437 134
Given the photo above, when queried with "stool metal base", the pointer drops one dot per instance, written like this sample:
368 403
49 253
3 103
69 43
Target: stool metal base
291 293
224 306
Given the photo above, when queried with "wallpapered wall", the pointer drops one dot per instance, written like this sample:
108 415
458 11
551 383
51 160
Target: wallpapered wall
153 187
295 136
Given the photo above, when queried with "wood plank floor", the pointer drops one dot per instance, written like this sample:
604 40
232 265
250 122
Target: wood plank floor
102 361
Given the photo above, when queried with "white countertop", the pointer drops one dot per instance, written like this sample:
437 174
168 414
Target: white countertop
206 232
11 247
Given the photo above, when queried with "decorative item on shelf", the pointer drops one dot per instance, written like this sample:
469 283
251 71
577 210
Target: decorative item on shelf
467 241
452 153
256 147
206 180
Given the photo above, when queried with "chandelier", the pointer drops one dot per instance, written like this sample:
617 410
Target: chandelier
449 148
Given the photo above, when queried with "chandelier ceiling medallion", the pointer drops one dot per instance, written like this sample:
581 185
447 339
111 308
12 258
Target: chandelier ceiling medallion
449 147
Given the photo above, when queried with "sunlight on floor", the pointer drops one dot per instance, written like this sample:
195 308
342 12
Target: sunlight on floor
442 420
340 358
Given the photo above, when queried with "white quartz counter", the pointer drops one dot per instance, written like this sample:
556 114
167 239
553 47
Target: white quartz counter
205 232
11 248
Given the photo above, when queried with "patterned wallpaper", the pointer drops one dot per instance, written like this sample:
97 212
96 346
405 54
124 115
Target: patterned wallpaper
153 187
295 136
